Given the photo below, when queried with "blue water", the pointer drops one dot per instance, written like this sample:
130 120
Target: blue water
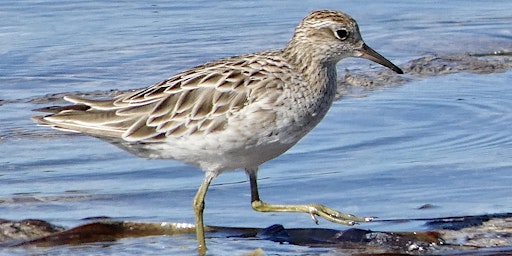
443 140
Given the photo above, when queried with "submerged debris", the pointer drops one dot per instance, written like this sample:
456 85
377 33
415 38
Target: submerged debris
470 235
430 66
443 65
13 231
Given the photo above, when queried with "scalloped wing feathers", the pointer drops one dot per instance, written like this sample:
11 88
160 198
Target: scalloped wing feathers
200 100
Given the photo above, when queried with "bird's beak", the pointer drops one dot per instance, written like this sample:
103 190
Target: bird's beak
368 53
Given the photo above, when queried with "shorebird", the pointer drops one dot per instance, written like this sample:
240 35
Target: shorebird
232 113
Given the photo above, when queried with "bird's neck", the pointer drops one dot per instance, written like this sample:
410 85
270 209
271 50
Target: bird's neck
312 66
319 74
304 56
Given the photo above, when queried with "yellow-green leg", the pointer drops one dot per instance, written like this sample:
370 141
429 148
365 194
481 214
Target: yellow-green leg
198 210
312 209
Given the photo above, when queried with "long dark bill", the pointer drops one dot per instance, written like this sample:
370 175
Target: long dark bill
370 54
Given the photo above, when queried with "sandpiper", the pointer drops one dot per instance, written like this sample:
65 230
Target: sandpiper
233 113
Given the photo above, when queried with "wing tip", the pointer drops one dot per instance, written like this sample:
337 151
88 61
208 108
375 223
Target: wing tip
39 120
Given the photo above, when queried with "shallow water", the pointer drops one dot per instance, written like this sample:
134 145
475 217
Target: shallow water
440 140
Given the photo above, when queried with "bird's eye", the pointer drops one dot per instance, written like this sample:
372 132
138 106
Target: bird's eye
342 34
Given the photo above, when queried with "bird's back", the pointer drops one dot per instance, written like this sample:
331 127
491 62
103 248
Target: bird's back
242 103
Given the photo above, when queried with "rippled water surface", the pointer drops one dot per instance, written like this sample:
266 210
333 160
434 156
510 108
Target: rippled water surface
441 140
